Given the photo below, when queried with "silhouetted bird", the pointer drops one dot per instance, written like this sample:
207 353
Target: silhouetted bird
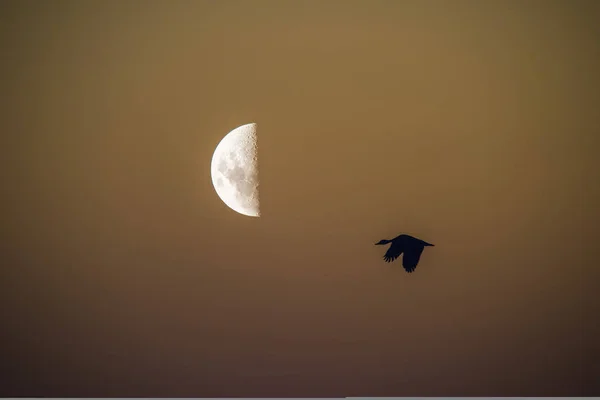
410 246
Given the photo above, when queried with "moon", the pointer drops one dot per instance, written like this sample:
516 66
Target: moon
234 170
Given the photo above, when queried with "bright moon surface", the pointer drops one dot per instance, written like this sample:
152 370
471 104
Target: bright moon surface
234 170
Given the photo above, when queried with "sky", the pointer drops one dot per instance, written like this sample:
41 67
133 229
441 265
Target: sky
472 125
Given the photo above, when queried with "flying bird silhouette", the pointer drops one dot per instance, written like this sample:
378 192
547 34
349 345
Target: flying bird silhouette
410 246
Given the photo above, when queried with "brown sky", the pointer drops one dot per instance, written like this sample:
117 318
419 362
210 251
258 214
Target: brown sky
473 125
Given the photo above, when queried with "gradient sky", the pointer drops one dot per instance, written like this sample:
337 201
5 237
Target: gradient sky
473 125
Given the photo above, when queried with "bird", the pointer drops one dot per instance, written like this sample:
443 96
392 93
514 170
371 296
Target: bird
410 246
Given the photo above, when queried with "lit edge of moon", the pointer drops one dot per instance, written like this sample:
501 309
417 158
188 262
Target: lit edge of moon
234 170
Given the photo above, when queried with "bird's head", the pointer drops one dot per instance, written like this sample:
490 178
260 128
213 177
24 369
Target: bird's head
383 241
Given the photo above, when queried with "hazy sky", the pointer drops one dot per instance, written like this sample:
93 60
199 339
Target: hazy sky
473 125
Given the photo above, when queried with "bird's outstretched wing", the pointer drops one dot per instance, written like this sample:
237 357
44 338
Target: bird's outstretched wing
393 252
411 258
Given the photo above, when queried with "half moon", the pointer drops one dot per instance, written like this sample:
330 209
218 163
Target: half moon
234 170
